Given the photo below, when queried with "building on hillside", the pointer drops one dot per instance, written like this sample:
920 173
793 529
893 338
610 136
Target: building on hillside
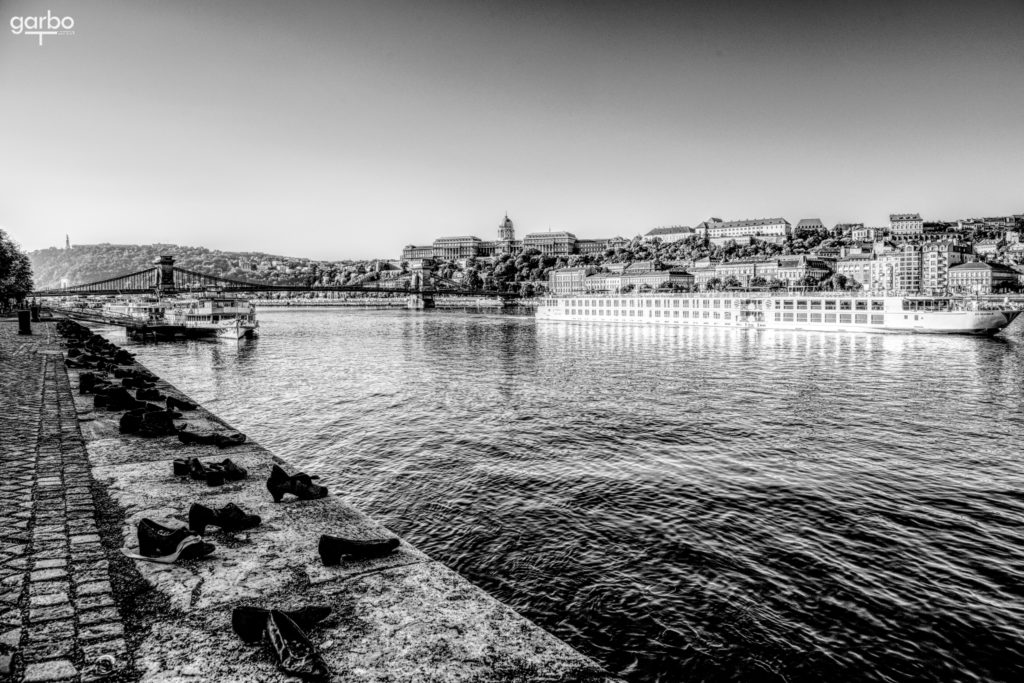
909 276
638 275
742 240
988 247
671 234
982 278
757 227
810 225
860 233
885 269
936 260
452 248
906 224
703 272
747 270
555 243
794 269
566 280
856 268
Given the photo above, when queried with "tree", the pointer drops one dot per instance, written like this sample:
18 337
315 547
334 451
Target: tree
732 282
15 272
758 282
776 283
714 284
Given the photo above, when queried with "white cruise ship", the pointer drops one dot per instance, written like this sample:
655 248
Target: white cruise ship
825 311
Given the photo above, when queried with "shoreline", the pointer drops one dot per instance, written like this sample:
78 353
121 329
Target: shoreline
400 617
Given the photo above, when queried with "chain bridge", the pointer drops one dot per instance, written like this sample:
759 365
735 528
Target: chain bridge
167 279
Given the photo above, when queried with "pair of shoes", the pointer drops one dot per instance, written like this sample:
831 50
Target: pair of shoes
228 518
214 438
295 653
158 543
331 548
213 474
299 485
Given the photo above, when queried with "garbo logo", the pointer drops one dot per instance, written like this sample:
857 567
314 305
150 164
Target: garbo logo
43 26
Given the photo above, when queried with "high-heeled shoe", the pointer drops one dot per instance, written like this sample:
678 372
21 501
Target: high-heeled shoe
331 548
250 622
295 653
299 485
228 518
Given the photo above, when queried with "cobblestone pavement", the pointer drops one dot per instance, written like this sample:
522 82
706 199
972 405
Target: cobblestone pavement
58 619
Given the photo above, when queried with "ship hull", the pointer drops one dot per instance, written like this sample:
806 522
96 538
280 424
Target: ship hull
882 315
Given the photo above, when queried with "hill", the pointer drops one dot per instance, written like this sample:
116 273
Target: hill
92 262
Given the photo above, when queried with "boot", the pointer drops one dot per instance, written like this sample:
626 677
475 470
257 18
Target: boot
295 654
300 485
228 518
163 544
331 548
250 622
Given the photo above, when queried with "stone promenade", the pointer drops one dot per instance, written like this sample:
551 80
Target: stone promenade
58 619
73 607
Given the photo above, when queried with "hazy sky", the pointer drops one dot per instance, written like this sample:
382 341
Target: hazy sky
349 129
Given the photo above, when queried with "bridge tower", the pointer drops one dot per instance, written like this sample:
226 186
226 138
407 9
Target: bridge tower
420 281
164 274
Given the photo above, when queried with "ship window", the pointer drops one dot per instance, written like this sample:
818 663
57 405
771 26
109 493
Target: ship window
815 317
877 319
862 305
830 317
676 314
676 303
801 305
788 317
788 304
816 306
657 303
686 303
777 316
718 303
877 305
830 305
845 305
861 319
845 318
728 315
707 314
801 317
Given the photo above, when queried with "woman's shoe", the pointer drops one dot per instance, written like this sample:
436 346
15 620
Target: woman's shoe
331 548
300 485
228 518
250 622
295 653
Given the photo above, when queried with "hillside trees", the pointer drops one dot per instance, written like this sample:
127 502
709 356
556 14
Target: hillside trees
15 273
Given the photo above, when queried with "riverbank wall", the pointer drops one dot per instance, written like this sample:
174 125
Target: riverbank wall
74 607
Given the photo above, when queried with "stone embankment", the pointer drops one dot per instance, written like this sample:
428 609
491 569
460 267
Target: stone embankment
73 607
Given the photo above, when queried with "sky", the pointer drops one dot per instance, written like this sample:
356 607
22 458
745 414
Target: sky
335 129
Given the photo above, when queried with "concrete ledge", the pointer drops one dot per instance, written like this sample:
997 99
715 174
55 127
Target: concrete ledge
403 617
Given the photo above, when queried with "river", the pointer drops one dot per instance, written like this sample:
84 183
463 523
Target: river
682 504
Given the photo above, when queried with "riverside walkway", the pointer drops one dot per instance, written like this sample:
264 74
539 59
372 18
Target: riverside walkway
74 608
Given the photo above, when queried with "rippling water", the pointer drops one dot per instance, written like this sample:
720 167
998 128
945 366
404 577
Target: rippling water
681 504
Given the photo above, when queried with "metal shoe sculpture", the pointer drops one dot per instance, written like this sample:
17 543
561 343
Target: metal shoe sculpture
228 518
299 485
158 543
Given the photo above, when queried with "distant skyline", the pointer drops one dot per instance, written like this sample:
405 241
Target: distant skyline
333 130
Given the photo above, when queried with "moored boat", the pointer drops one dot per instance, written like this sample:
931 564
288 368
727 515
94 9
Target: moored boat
825 311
